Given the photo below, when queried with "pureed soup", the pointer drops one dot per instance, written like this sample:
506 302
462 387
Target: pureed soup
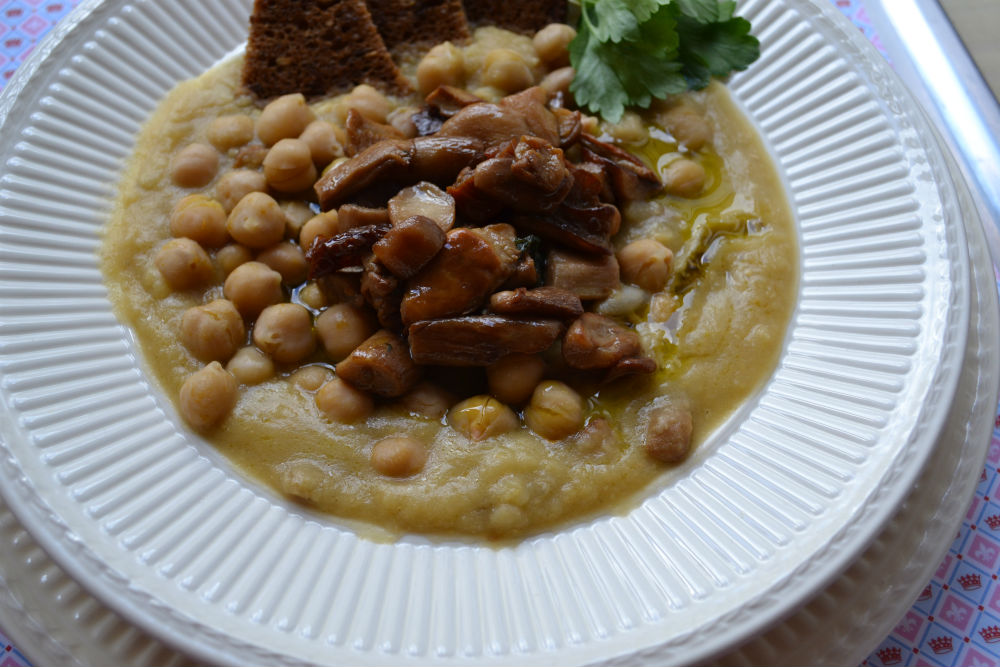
448 359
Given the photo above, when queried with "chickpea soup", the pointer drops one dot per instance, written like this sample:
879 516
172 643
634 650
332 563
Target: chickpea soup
475 311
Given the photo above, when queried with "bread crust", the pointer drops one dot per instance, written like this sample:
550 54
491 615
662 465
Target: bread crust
419 22
318 48
524 16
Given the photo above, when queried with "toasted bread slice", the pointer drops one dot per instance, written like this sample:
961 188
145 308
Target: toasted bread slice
418 22
525 16
317 48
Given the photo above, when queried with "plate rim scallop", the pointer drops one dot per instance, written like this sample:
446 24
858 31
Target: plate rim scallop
90 491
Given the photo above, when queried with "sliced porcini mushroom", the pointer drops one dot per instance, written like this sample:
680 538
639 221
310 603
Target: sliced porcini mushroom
424 199
597 342
629 177
529 175
409 245
586 227
588 276
515 116
551 302
479 340
383 292
394 163
470 266
449 100
353 215
362 132
381 365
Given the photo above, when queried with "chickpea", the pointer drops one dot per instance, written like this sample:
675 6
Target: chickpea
343 403
555 411
557 82
321 138
402 120
552 44
684 178
297 213
630 128
427 400
213 331
284 331
399 456
668 433
184 264
513 378
233 131
311 378
200 219
207 396
646 263
235 185
252 287
342 327
250 366
288 260
443 65
482 417
232 256
507 70
596 439
288 166
194 166
313 297
257 221
284 118
688 127
370 103
324 224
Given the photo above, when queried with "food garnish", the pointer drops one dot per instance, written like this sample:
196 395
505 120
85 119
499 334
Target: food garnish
630 52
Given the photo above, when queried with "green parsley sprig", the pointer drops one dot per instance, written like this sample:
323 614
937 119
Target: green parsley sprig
630 52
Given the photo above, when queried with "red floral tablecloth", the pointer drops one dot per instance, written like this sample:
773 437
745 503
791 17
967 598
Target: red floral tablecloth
956 619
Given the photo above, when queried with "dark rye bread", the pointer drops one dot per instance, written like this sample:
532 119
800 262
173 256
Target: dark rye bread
525 16
420 22
317 48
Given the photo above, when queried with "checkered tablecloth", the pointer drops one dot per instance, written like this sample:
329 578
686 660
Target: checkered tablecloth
956 619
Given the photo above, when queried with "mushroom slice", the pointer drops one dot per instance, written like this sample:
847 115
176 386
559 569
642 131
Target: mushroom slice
380 365
479 340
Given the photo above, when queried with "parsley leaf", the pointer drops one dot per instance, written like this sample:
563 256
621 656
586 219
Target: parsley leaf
630 52
715 49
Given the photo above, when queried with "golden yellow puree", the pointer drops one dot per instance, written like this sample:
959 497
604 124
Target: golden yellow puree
716 341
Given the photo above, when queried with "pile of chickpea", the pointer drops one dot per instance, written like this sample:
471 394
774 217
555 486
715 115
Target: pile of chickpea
257 243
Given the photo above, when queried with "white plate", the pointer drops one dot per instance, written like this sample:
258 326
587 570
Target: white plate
57 623
779 501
